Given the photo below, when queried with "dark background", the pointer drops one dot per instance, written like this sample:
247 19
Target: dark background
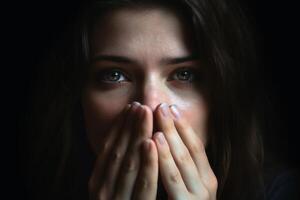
33 27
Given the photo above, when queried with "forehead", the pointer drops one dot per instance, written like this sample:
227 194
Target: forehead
142 31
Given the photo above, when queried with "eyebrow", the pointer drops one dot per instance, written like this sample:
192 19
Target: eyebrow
126 60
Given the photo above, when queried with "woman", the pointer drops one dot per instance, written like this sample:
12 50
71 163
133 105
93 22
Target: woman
151 99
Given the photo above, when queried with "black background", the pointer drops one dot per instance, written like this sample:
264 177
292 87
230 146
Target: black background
31 27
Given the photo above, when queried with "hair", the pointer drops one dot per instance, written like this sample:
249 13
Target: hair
225 44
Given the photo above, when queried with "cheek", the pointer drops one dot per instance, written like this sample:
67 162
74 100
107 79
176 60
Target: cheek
196 115
100 113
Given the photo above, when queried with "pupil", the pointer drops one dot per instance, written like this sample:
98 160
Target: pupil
184 75
114 76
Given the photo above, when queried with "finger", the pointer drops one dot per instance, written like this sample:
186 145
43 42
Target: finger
195 147
116 155
178 150
131 164
106 147
146 184
171 177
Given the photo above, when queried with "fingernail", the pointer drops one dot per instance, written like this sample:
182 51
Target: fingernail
175 111
135 105
161 138
164 108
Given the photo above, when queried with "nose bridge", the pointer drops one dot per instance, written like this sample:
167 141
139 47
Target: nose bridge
153 93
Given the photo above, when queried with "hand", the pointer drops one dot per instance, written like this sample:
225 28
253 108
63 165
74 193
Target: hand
183 164
118 172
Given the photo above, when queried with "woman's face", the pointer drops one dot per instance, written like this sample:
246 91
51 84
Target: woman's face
148 56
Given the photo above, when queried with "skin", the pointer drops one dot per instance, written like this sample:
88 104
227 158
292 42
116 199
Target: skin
135 141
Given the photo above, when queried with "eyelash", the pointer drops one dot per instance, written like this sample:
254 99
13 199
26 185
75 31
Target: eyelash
107 72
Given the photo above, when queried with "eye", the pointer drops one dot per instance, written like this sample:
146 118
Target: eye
111 76
184 75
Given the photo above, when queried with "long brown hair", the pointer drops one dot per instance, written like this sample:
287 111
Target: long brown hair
224 43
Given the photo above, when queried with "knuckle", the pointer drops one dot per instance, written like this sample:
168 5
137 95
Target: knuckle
165 155
146 183
116 156
143 183
184 157
130 165
195 149
175 177
169 127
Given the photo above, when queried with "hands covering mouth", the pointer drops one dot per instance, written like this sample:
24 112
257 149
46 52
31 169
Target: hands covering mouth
136 153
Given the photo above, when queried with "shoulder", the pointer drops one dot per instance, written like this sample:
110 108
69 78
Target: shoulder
282 184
